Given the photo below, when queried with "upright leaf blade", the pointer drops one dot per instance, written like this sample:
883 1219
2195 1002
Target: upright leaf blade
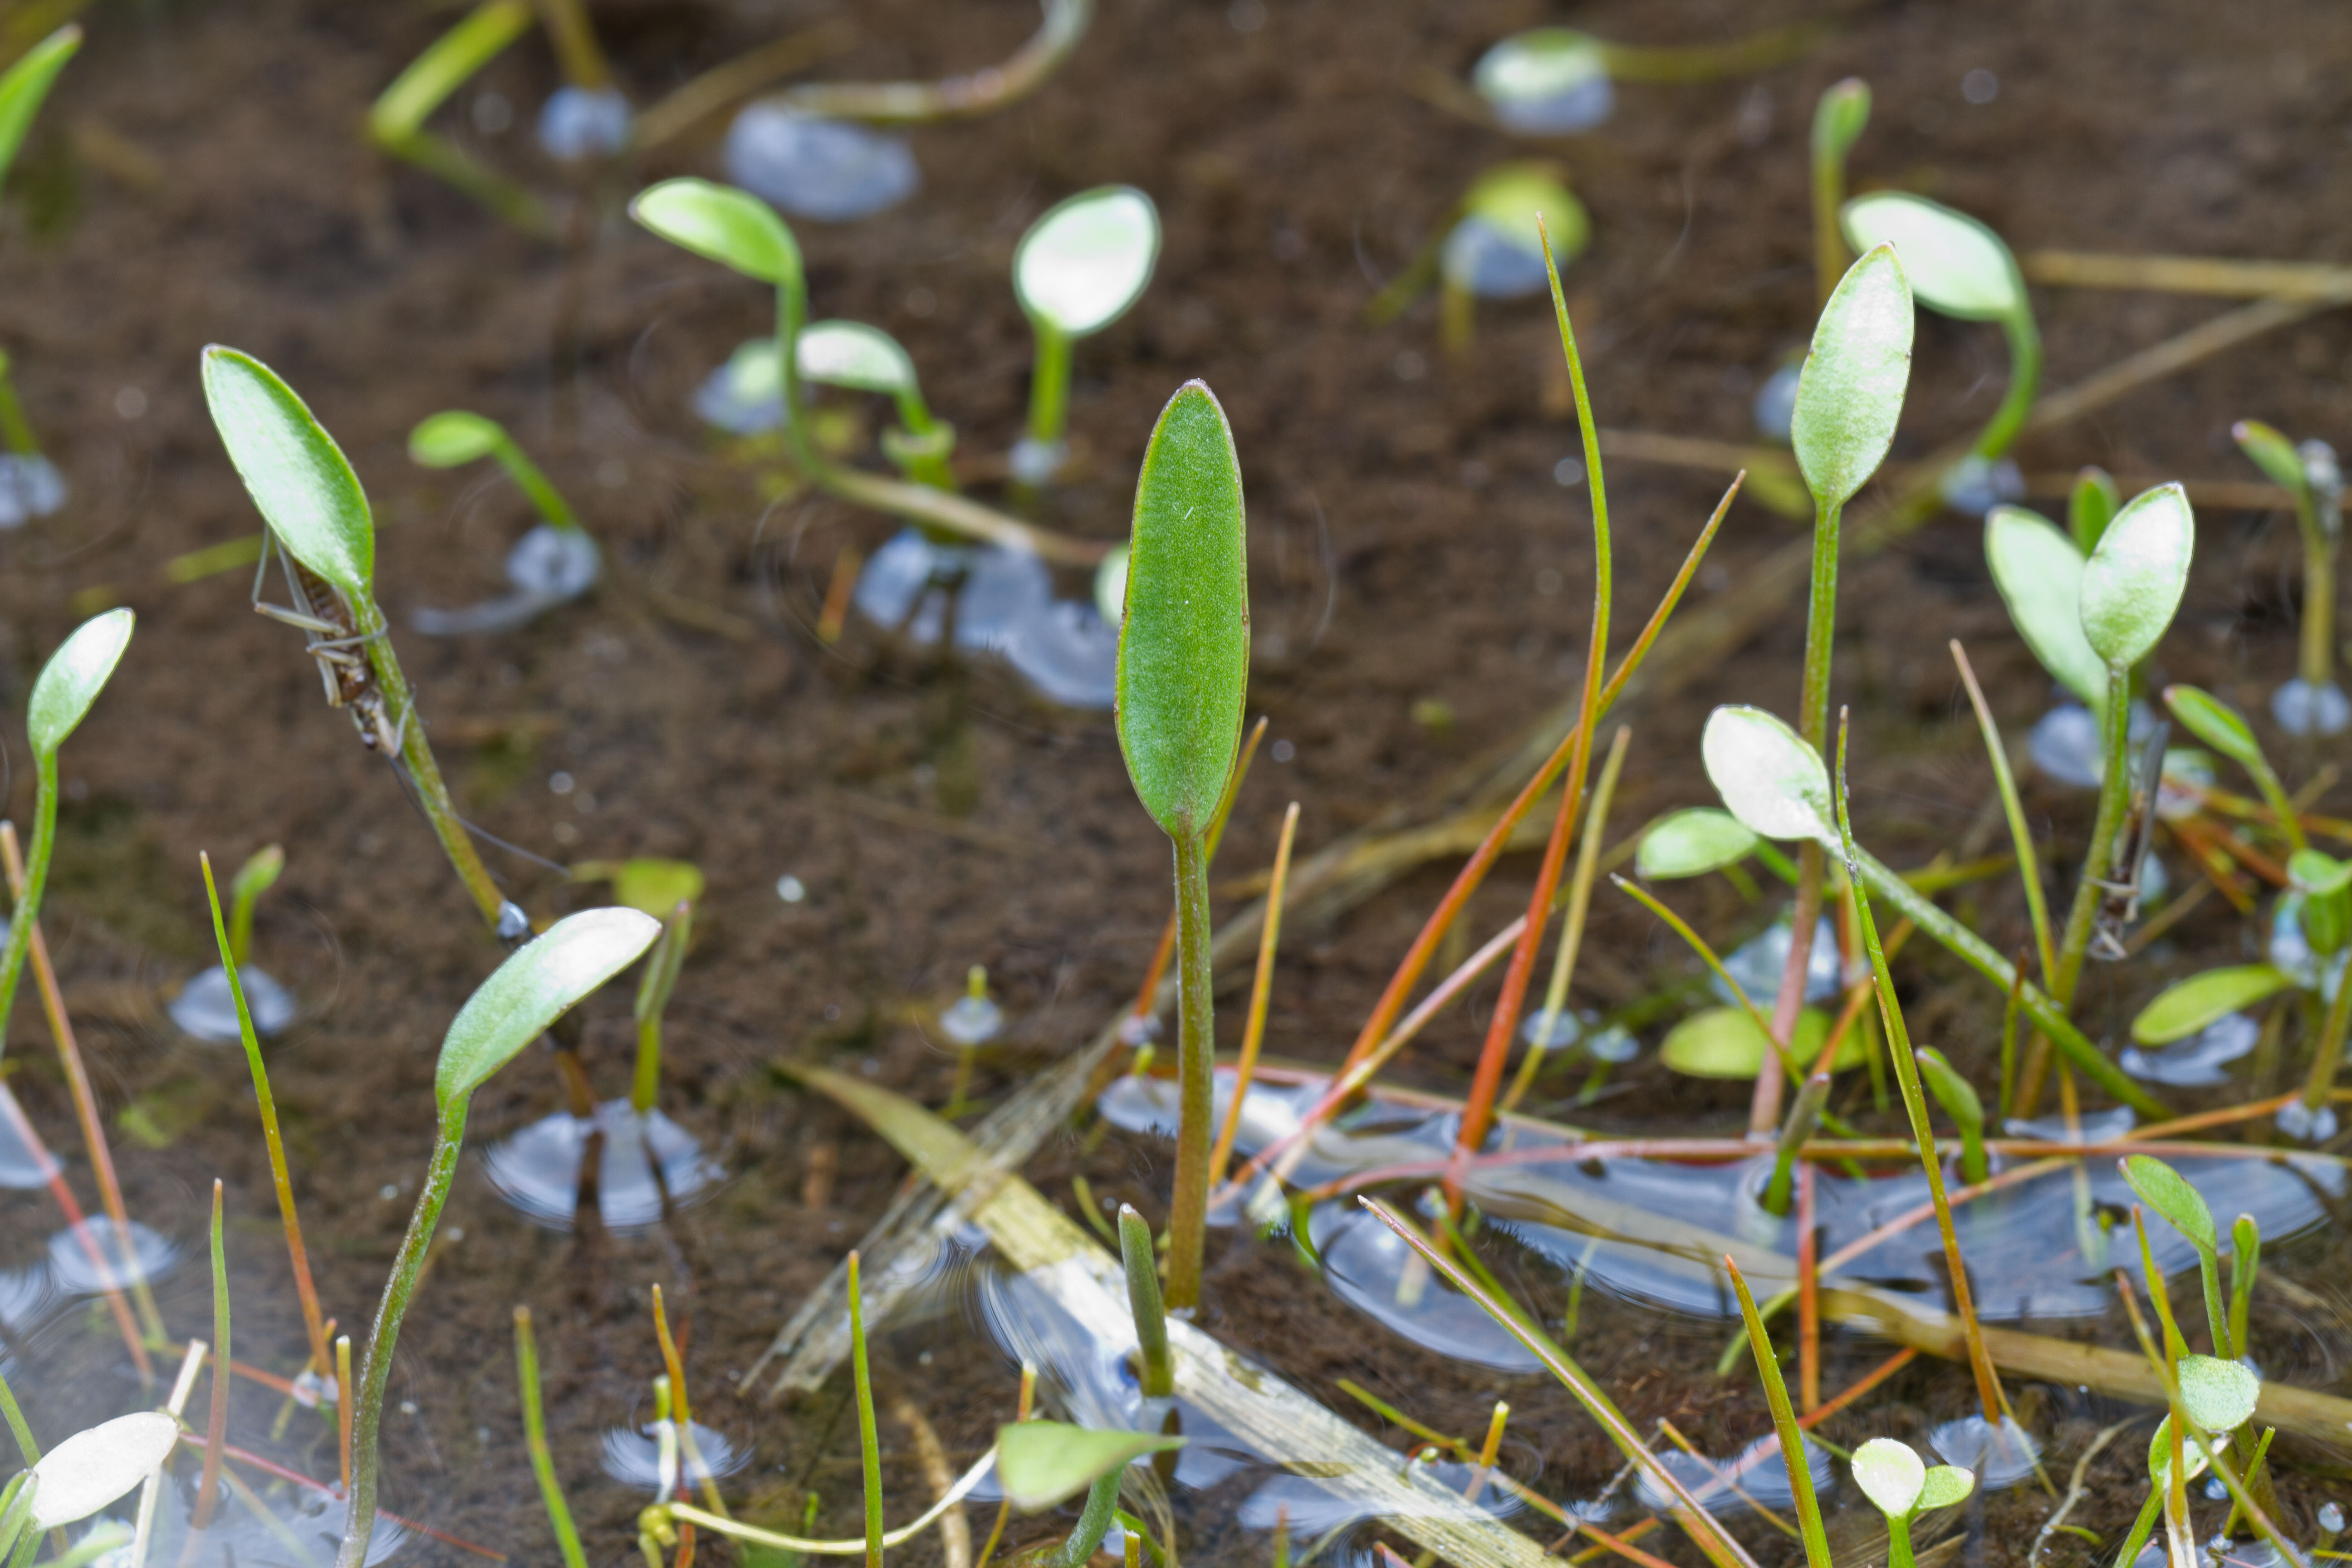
2167 1192
721 223
531 990
1956 265
1041 1463
2185 1006
1771 781
27 84
2040 574
95 1466
1890 1475
73 678
453 438
1183 647
2134 580
298 477
1850 393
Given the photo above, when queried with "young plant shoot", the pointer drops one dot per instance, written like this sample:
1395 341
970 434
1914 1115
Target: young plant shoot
553 563
1081 266
1839 119
867 358
1891 1476
1044 1464
1184 675
318 514
1959 267
2312 703
1849 398
205 1008
30 485
535 985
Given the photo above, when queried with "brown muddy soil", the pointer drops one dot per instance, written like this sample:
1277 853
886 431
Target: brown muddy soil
1421 592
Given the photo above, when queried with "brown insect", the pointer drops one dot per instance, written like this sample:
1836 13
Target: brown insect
332 639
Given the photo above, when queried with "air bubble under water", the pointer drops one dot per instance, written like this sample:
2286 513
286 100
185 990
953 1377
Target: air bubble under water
152 1255
647 1163
2001 1455
814 168
2302 709
23 1165
1549 81
1491 262
207 1009
1003 604
548 566
578 123
1775 408
30 487
1758 962
2197 1061
2065 745
631 1455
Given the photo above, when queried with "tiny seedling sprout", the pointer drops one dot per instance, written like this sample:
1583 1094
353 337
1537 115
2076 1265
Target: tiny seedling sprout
867 358
1839 119
1080 268
1891 1476
2312 704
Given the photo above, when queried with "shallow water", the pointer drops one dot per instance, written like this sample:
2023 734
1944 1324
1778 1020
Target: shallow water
813 168
205 1009
646 1166
1002 601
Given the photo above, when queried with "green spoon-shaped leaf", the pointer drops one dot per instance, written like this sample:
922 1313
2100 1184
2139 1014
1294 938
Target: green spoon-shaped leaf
531 990
1041 1463
1945 1485
2040 574
2185 1006
1890 1475
1771 781
2215 722
2167 1192
2221 1394
298 477
1085 262
1850 393
721 223
2273 453
73 678
853 354
1723 1042
2134 580
95 1466
1183 648
1691 843
453 438
1957 265
25 84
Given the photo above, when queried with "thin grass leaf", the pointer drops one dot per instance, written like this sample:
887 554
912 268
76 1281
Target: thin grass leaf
25 84
1784 1422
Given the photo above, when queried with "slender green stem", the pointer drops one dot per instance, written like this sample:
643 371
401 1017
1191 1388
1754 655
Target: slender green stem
399 1289
1812 724
1784 1421
2001 430
576 49
2029 867
662 967
14 427
19 1427
2115 791
1915 1102
1196 1046
869 1443
28 909
216 1419
792 315
1049 385
2317 655
2245 1261
1580 901
2328 1053
1158 1370
1094 1523
533 482
1831 256
534 1430
2006 1104
1898 1543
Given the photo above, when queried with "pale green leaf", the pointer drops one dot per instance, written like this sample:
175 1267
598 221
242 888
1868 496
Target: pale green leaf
1955 1093
73 678
2316 875
1041 1463
1087 259
853 354
25 84
2216 723
2040 574
1691 843
95 1466
1771 781
2220 1394
721 223
258 874
1850 393
2185 1006
1723 1042
2091 505
2159 1455
1890 1475
1945 1485
1512 198
452 439
656 887
540 982
1183 650
1110 586
2273 453
2134 580
1840 118
298 477
2167 1192
1956 265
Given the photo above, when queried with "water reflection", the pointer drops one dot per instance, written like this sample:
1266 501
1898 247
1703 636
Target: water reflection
646 1166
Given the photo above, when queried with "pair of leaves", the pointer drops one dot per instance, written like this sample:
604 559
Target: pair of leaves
2188 1007
1892 1477
1041 1463
2083 615
1691 843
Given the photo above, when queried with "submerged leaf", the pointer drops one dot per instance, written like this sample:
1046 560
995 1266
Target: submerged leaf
73 678
1085 262
2220 1394
2134 580
1723 1042
531 990
26 83
1850 393
1183 648
2216 723
2167 1192
1945 1485
2185 1006
453 438
721 223
1955 264
853 354
93 1467
1771 781
1041 1463
1890 1475
1691 843
2040 574
299 478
